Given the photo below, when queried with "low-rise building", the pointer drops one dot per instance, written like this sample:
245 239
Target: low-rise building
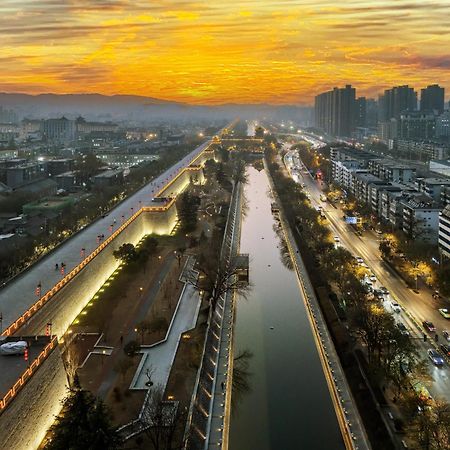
58 166
444 232
108 178
66 181
433 187
445 196
423 151
441 167
391 171
420 217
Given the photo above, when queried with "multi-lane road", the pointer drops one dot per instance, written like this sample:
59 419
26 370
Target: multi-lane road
415 307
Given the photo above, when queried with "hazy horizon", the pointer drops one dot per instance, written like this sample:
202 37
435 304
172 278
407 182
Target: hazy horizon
214 53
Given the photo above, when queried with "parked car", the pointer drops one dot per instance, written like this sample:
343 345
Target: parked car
428 326
396 307
373 278
401 326
385 291
359 260
337 239
435 357
445 312
378 294
445 349
446 335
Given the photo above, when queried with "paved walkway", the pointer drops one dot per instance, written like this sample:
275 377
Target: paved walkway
157 359
127 329
19 294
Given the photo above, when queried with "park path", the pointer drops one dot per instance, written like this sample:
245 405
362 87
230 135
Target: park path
157 359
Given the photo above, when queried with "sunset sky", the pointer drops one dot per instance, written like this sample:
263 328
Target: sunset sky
219 51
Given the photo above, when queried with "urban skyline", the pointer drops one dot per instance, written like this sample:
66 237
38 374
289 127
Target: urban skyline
207 53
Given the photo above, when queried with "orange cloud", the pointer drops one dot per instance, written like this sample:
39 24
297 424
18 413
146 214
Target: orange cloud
215 52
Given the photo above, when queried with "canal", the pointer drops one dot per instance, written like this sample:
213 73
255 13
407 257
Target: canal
280 396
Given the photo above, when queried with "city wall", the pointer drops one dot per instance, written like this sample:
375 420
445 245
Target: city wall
68 302
25 421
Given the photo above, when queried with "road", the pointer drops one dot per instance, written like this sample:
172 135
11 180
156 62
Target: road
18 295
415 308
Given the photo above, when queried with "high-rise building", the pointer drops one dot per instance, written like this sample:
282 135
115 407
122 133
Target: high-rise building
395 101
361 112
417 126
432 99
371 113
443 126
335 111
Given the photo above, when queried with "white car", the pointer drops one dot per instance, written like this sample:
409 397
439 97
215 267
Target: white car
359 260
336 239
396 307
373 278
13 348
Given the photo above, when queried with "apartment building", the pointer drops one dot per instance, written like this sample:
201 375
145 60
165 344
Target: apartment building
444 232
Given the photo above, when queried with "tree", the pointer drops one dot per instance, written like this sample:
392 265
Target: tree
84 423
187 207
123 366
431 428
165 420
126 253
143 328
385 249
218 278
131 348
443 278
371 322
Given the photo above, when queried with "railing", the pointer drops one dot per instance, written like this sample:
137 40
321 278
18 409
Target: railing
64 281
339 390
200 413
21 381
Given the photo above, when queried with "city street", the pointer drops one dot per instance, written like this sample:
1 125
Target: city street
415 307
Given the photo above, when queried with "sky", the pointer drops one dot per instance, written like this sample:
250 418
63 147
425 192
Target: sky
222 51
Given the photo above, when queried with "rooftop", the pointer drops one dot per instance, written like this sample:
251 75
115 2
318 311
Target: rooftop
109 173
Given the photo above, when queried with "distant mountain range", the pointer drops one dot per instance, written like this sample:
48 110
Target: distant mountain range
136 108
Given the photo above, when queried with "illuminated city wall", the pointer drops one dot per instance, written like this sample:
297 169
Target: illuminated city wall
180 183
66 304
25 421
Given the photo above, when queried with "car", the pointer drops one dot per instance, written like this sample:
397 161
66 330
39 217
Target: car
401 326
378 294
373 278
446 335
359 260
384 290
435 357
337 239
445 349
445 312
378 232
396 307
428 326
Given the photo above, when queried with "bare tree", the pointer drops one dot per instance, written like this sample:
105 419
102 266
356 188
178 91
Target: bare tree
166 421
123 366
71 359
217 280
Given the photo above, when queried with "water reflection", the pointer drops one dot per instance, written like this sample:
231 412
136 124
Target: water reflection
241 377
283 402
